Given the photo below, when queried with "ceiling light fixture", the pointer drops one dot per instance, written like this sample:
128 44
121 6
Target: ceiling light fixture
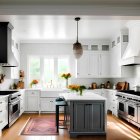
77 47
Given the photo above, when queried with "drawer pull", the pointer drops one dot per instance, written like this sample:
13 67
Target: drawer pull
1 121
0 110
0 102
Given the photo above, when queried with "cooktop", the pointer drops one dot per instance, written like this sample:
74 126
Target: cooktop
7 92
130 92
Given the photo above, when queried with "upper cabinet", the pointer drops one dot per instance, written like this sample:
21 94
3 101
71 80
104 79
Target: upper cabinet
94 62
119 44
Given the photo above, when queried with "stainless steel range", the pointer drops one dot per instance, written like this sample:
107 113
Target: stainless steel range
129 106
13 105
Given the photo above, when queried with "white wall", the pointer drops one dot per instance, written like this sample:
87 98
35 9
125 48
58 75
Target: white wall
27 49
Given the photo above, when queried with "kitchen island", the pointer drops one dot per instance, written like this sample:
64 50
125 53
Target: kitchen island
86 114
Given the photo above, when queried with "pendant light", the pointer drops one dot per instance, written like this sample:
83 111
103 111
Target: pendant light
77 47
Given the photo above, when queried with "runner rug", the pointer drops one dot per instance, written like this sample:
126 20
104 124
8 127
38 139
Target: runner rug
40 126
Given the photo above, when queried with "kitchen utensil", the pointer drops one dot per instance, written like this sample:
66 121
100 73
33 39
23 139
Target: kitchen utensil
93 85
120 86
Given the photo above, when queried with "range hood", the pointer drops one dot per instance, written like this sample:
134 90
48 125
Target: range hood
131 55
7 58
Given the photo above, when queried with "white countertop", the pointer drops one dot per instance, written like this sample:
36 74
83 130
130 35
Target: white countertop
85 96
1 96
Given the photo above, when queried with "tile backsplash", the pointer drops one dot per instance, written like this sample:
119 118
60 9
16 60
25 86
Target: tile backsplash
7 82
132 81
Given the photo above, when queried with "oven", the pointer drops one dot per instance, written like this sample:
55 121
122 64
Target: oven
132 111
139 114
122 108
13 108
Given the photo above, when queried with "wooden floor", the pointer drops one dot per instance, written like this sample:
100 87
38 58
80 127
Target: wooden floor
116 130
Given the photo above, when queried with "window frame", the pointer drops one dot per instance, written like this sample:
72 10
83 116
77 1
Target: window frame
42 58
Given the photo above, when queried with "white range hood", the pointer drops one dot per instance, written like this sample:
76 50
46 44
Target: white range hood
131 55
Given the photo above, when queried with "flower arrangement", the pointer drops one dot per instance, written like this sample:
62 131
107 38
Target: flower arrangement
77 88
66 75
34 82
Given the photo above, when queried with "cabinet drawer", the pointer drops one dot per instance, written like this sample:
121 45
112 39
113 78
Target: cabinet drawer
3 119
3 107
33 93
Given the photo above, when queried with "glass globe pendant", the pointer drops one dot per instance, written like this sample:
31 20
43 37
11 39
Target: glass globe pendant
77 47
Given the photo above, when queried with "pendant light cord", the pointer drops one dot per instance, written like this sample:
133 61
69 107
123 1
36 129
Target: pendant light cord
77 31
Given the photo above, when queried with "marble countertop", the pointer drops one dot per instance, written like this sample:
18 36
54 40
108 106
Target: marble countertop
1 96
85 96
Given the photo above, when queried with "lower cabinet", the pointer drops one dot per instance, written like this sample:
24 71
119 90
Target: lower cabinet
111 103
47 104
22 101
87 117
3 112
32 100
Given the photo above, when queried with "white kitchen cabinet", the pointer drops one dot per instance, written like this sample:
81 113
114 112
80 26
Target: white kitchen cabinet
3 111
32 100
115 59
93 64
47 100
104 62
83 65
116 52
111 102
22 101
47 104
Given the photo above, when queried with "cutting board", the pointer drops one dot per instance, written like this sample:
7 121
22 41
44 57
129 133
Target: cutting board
120 86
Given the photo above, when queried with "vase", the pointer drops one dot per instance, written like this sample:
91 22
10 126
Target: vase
66 83
34 85
81 92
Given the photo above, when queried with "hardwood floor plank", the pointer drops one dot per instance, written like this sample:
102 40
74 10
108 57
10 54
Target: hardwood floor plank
116 130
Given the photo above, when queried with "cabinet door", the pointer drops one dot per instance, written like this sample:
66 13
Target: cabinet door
47 104
94 64
33 103
115 58
88 117
104 64
83 65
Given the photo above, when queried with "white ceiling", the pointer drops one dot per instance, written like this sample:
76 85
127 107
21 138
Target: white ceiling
64 27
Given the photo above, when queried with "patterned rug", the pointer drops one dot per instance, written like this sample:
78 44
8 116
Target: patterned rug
40 126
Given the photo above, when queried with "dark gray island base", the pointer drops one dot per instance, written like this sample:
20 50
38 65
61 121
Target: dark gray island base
86 118
86 114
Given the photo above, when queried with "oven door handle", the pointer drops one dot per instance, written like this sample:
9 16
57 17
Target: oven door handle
14 102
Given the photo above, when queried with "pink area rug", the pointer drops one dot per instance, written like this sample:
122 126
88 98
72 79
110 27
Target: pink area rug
40 126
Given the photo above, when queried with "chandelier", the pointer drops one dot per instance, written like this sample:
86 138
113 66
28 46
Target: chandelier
77 47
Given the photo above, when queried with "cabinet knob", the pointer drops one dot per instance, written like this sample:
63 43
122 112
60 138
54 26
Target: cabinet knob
0 110
1 121
0 102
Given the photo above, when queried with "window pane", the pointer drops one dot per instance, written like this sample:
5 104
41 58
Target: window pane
34 68
48 70
63 65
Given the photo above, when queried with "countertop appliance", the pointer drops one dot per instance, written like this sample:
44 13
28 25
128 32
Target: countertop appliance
129 106
13 105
